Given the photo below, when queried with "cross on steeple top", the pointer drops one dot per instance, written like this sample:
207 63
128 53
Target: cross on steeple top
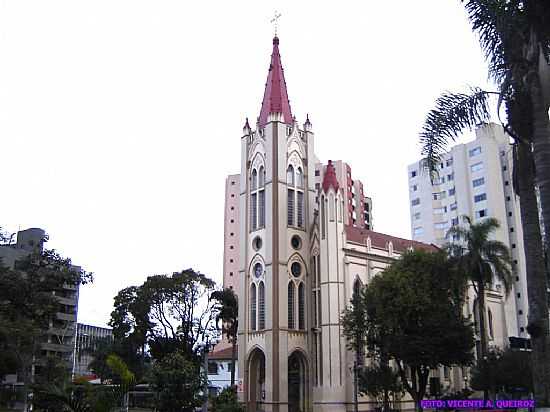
275 21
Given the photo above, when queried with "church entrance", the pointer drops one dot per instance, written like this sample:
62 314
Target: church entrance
256 380
297 383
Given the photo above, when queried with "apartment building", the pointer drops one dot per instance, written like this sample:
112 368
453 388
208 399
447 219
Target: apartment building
475 179
59 339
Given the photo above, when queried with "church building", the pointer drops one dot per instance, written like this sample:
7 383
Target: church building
298 239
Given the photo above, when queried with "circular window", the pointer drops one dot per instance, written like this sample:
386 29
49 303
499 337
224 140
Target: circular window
257 243
296 242
296 269
258 270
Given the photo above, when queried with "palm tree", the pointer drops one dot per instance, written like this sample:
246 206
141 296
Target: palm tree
228 314
481 260
515 36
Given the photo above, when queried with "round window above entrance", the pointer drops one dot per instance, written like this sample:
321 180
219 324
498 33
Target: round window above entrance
296 269
296 242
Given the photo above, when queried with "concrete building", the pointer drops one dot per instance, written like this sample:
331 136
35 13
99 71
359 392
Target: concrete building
87 339
59 339
304 241
475 179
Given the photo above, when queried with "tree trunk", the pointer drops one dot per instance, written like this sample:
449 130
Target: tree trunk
233 361
482 328
536 275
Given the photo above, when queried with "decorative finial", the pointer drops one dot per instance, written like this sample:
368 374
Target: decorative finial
275 21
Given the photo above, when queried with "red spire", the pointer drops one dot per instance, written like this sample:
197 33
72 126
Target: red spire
275 95
330 178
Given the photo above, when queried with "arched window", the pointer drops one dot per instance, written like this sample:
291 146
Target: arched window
254 183
253 306
261 177
301 306
490 322
299 178
295 197
290 175
357 285
261 306
257 199
323 217
291 306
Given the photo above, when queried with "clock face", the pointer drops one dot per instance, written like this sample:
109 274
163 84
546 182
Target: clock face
258 270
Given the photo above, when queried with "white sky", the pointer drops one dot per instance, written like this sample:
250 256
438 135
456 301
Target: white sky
119 120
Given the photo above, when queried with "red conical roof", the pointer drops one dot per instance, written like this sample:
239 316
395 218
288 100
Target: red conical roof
275 95
330 178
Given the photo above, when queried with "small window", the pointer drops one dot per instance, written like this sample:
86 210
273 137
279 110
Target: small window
451 177
506 183
232 183
290 176
478 182
296 269
481 197
454 221
413 173
511 229
513 245
414 188
519 295
452 191
453 206
230 273
481 213
520 312
510 214
232 220
418 231
507 198
477 167
475 151
441 225
417 216
296 242
317 172
212 368
449 162
415 202
232 208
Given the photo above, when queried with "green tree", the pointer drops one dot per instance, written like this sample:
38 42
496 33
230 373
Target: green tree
226 401
380 381
228 313
415 307
515 38
481 260
178 381
505 371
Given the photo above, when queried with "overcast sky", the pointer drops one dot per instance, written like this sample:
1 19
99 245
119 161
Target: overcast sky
119 120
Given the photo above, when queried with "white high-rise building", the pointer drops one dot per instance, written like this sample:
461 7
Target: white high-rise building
475 179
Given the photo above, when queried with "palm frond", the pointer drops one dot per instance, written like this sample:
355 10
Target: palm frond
453 113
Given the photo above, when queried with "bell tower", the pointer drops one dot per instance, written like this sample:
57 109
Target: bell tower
277 195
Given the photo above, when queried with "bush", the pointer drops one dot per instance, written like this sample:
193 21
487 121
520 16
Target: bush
227 401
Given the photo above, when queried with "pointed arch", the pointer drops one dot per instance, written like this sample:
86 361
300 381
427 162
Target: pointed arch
261 306
253 308
254 180
299 177
261 176
291 305
490 324
290 175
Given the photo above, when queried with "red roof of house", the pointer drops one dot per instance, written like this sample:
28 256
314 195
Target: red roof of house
329 179
381 240
275 95
221 354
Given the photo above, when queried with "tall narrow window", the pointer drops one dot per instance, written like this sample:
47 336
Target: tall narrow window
290 176
299 178
261 208
323 217
290 207
257 199
254 183
253 306
301 306
253 211
261 306
291 306
300 212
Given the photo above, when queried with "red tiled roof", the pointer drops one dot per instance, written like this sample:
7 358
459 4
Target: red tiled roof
221 354
275 95
381 240
330 178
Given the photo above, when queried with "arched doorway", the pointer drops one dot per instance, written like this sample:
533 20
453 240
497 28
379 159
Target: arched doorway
256 379
297 383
